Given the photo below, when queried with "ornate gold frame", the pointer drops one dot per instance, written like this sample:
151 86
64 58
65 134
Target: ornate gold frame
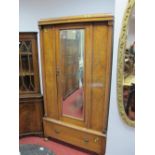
122 46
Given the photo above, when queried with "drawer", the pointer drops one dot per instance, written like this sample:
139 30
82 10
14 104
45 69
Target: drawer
74 136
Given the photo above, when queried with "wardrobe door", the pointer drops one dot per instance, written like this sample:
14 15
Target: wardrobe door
72 45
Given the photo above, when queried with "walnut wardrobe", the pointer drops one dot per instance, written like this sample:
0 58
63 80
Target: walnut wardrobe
76 68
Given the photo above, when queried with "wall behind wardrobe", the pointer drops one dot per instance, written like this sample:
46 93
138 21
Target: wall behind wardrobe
120 139
31 11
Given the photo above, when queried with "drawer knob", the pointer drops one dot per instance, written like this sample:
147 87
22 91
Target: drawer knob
57 131
86 140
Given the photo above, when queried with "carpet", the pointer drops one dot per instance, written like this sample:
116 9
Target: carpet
73 104
59 148
34 149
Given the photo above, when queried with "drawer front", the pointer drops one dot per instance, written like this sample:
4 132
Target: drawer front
75 137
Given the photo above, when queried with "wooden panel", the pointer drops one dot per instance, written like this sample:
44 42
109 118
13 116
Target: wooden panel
30 116
74 136
88 74
49 74
36 65
100 36
77 19
108 76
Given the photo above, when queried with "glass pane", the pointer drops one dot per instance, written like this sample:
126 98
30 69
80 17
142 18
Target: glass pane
25 46
26 83
72 61
21 87
25 63
22 84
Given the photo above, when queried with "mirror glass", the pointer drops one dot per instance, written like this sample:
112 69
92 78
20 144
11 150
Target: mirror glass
129 69
72 62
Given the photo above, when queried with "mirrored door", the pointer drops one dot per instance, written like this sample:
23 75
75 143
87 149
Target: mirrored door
71 70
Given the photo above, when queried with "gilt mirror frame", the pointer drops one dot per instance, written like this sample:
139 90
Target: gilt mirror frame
121 49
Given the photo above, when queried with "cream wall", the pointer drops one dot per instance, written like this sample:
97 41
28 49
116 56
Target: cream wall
120 140
30 11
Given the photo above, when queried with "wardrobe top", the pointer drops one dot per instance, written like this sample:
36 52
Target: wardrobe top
77 19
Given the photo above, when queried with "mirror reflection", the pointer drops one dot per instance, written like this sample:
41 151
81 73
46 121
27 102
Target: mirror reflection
129 69
72 61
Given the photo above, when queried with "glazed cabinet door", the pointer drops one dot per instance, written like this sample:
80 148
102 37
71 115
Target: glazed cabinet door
28 64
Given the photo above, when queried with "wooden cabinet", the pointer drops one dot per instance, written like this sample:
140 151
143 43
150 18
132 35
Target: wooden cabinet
30 99
31 115
76 70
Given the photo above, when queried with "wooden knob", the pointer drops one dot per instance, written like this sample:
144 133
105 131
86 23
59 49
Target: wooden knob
57 131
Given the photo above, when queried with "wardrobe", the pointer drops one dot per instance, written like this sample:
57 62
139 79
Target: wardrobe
76 55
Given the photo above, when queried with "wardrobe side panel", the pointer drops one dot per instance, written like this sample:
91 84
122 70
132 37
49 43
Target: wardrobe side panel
49 60
99 61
